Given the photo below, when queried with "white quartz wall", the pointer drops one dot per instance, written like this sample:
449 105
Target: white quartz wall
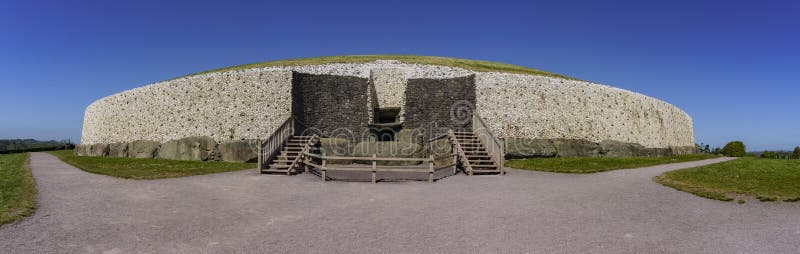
227 106
527 106
250 104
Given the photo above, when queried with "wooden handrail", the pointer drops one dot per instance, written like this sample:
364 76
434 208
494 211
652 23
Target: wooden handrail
493 145
461 155
373 158
271 147
303 152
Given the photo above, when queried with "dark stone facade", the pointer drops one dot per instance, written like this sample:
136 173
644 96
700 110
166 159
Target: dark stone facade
440 104
330 105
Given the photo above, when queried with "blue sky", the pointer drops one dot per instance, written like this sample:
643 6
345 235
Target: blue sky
732 65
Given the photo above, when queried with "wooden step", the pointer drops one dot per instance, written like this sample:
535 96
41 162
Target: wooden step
276 166
480 161
485 171
284 171
484 166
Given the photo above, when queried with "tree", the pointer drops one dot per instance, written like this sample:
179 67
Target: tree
707 149
796 153
734 149
769 155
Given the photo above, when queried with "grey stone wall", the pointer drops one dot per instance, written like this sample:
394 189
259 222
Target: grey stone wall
330 103
440 104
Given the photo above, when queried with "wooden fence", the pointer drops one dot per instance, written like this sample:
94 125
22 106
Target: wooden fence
323 166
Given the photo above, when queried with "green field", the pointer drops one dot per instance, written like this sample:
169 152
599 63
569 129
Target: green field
17 188
474 65
594 165
766 179
133 168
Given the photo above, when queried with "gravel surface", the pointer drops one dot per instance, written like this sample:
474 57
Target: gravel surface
621 211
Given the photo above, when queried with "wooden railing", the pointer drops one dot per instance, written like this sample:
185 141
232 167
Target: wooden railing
493 145
323 166
300 157
269 149
460 155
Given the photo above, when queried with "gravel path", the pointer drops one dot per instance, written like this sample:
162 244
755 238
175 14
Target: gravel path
621 211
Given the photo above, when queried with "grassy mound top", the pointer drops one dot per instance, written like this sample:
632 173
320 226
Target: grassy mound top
473 65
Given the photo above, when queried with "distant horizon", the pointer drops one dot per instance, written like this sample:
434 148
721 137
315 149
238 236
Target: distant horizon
731 66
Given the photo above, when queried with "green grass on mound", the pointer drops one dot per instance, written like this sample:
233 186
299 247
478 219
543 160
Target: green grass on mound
766 179
593 165
17 188
473 65
134 168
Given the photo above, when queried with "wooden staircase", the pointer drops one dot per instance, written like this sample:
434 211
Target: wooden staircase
474 156
290 158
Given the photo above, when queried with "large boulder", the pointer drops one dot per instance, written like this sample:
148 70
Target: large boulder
683 150
613 148
659 152
413 136
389 149
639 150
439 148
239 151
519 148
118 150
198 148
145 149
82 150
336 147
98 150
576 148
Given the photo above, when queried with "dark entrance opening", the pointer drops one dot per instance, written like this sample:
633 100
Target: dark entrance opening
386 124
386 115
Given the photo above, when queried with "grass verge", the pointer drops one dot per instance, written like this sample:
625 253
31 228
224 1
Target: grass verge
765 179
134 168
594 165
17 188
473 65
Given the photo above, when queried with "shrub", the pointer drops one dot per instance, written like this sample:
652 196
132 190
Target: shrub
734 149
768 154
796 153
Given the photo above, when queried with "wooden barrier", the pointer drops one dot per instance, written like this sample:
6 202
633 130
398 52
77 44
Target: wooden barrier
374 169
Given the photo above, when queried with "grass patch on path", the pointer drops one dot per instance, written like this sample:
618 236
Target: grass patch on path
765 179
134 168
17 188
594 165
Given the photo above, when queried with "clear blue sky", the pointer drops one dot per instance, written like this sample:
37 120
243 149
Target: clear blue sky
732 65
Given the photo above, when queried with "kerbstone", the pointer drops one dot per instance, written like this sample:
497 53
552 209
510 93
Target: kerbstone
145 149
189 149
118 150
519 148
98 150
576 148
239 150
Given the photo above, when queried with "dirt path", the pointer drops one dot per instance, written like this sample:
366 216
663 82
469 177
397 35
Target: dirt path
621 211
